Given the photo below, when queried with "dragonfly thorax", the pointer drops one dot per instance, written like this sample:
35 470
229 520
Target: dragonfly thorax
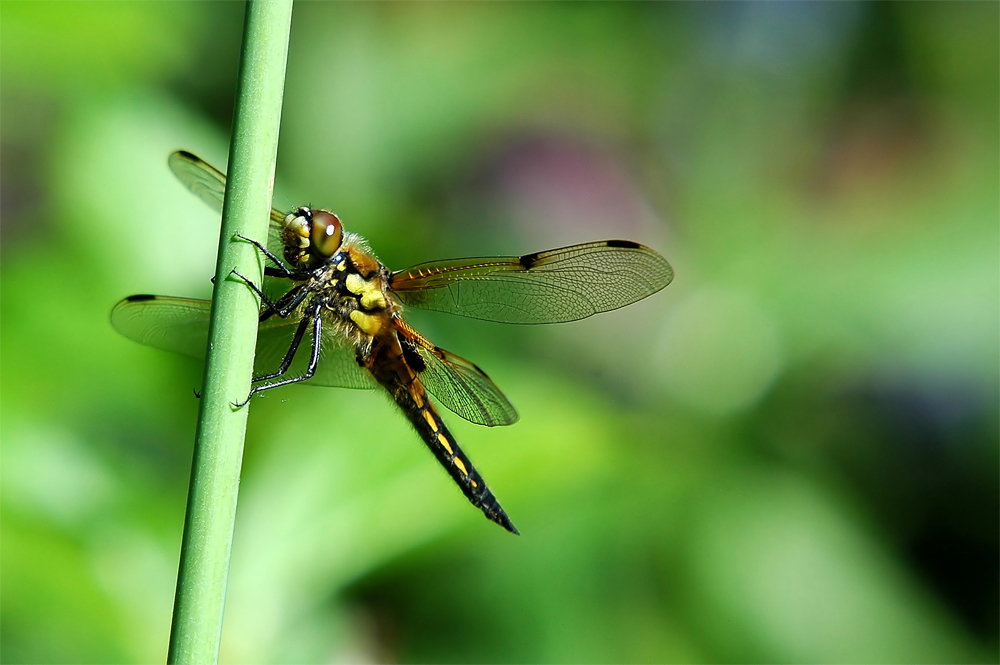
311 237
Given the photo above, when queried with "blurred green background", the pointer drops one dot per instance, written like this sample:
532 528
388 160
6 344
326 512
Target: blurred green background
790 455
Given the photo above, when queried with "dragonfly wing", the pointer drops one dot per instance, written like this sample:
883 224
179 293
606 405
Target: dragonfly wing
171 324
558 285
209 184
204 180
457 383
465 389
181 325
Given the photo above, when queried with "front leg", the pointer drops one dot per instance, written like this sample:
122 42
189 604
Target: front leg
285 305
281 270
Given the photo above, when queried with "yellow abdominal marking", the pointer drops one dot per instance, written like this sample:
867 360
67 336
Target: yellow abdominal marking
461 466
430 421
415 394
447 446
474 483
368 323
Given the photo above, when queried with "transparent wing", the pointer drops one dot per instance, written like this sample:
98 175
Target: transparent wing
558 285
337 366
209 184
457 383
465 389
181 325
171 324
205 181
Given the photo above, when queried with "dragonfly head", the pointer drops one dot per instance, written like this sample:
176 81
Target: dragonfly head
311 237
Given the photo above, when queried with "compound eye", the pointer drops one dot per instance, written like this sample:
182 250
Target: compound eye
326 233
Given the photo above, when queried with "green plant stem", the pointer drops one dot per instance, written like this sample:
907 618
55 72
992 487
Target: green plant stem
196 628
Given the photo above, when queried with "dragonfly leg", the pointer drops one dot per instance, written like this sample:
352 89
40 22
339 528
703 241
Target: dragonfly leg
317 335
285 305
289 302
293 348
268 303
271 271
282 269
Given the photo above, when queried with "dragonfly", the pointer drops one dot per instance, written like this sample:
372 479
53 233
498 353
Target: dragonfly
346 309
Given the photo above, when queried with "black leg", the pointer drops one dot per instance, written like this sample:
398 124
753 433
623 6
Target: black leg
289 302
268 304
280 306
313 359
270 271
284 306
286 362
282 269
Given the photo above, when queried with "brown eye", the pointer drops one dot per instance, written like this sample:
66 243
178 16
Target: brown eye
326 233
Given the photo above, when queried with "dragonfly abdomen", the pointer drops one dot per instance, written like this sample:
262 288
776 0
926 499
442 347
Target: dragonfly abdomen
432 430
388 365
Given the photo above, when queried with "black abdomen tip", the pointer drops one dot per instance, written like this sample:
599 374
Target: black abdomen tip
500 517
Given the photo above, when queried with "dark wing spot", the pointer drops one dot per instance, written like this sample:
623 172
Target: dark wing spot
142 297
410 355
529 260
624 244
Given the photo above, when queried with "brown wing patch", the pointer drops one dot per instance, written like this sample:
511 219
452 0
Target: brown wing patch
529 260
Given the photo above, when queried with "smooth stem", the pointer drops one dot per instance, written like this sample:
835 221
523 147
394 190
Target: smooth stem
196 629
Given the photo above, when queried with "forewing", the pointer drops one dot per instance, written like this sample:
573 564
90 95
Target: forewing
558 285
205 181
464 388
181 325
209 184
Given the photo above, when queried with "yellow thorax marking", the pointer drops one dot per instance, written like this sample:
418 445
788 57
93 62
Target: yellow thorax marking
368 323
354 283
373 299
371 295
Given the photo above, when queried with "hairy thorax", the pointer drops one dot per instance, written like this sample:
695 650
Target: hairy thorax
353 289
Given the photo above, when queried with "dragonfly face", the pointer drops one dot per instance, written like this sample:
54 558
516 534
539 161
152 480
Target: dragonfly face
346 308
310 237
